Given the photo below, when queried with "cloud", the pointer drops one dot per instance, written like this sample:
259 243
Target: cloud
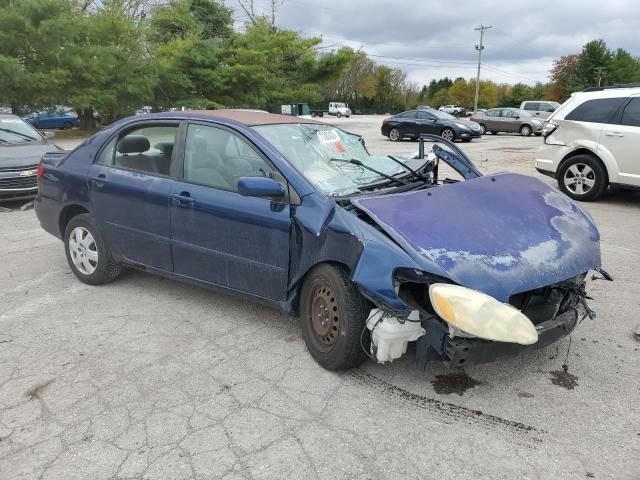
522 44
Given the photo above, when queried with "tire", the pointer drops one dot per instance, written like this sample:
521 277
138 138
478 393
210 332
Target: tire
583 178
493 132
538 134
394 135
483 128
67 126
466 140
334 338
525 130
339 115
448 134
82 243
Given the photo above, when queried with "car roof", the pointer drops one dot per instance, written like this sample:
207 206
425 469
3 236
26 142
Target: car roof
246 117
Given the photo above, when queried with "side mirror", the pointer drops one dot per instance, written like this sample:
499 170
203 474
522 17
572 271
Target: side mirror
261 187
48 134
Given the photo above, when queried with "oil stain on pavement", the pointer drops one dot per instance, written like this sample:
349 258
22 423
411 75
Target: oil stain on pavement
564 379
454 382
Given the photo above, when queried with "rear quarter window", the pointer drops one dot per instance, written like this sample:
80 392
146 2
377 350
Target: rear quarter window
599 110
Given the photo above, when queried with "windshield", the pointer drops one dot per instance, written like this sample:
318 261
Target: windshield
442 115
16 130
316 152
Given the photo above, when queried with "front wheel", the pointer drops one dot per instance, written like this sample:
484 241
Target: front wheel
483 128
525 130
394 134
448 134
334 315
582 178
88 253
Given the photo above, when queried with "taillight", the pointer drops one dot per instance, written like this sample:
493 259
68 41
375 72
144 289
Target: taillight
40 170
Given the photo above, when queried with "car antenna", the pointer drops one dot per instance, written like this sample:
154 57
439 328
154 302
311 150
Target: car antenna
355 161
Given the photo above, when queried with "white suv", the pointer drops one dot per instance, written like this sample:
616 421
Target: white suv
593 141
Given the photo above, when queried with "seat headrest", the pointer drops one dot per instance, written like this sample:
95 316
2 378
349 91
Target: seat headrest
134 144
165 147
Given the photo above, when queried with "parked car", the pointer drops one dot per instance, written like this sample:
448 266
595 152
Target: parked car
21 147
453 110
511 120
539 108
60 119
414 123
299 215
592 142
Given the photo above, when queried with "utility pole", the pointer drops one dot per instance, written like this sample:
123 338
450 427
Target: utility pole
479 48
600 72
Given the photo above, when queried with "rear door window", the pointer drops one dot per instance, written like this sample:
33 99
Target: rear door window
599 110
631 113
493 113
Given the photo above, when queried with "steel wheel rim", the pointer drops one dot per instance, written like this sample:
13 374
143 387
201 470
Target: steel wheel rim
83 250
579 178
324 317
394 134
447 134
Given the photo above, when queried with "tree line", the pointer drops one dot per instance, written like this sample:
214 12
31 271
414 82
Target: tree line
114 56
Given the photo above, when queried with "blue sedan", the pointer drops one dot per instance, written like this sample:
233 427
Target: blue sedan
64 120
371 252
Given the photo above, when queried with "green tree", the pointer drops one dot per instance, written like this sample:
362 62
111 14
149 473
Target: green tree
623 68
595 55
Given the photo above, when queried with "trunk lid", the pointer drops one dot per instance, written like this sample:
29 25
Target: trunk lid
500 234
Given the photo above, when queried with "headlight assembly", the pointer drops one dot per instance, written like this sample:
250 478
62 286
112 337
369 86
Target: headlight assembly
480 315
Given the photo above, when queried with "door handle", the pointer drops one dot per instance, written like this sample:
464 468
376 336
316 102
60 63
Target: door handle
99 180
183 199
614 134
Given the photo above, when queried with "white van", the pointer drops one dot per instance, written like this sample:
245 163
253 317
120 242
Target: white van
339 109
539 108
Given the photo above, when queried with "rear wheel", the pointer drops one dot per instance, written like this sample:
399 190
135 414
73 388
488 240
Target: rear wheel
339 115
583 178
525 130
483 128
333 315
448 134
67 125
88 253
394 135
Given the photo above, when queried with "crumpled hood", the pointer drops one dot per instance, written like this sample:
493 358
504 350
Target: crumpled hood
500 234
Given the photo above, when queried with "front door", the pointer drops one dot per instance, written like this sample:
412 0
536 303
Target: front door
129 187
219 236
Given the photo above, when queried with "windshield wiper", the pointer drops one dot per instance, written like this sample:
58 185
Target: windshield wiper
408 168
17 133
355 161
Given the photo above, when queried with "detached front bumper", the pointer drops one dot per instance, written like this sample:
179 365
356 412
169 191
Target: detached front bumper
459 351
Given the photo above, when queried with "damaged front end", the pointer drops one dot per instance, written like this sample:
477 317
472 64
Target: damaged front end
500 268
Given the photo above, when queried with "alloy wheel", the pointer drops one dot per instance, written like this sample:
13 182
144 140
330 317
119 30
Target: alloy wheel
394 134
83 250
448 134
579 179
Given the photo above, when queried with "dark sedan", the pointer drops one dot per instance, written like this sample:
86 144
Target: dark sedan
414 123
21 147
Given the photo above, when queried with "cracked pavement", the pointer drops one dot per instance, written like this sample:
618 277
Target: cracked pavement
147 378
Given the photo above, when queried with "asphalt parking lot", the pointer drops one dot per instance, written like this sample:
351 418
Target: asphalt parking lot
149 378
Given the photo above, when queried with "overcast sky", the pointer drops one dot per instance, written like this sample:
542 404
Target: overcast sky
440 37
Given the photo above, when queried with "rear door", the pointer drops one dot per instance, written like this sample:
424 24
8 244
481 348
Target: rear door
219 236
492 120
129 186
622 138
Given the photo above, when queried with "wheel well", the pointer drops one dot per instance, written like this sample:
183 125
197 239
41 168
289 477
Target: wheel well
583 151
297 288
67 214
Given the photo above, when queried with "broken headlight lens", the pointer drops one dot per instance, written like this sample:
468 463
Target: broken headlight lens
480 315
